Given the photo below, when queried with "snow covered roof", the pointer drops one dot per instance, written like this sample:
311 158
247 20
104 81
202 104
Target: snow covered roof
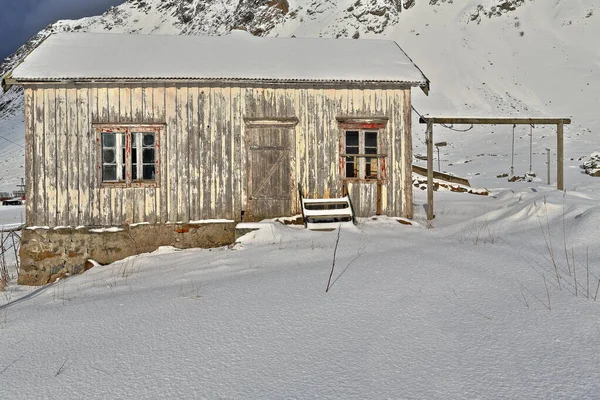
238 56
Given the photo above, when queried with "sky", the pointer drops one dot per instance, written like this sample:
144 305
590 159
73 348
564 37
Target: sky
21 19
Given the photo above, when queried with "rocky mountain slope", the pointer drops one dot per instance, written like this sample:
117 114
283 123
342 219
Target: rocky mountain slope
484 57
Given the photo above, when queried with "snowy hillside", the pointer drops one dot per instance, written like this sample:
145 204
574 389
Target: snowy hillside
12 141
490 57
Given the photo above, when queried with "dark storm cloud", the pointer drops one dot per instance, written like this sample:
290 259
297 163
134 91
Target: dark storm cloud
21 19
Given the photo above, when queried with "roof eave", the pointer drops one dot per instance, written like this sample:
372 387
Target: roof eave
424 85
7 82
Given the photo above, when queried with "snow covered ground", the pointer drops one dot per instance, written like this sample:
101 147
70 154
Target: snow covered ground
11 216
459 311
497 301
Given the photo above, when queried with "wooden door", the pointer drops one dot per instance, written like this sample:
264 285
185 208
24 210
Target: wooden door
269 175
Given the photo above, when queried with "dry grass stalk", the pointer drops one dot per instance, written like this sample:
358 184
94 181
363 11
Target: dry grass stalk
547 293
337 242
575 278
526 303
587 265
548 241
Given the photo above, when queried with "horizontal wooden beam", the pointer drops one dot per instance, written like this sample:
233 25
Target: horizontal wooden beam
362 123
493 121
431 120
442 176
7 82
359 120
282 122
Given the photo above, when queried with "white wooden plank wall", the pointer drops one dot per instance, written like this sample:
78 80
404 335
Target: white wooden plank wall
50 154
37 203
202 151
85 185
29 107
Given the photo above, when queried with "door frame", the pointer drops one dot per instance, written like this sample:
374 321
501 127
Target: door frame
287 123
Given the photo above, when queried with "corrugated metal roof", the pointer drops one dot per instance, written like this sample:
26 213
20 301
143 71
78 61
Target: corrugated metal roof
108 56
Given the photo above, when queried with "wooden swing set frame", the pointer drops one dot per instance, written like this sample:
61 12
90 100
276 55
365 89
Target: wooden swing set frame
431 120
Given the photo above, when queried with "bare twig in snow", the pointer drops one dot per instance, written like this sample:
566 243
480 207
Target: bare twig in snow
60 370
587 265
9 365
547 293
533 295
548 241
337 241
526 303
565 236
575 278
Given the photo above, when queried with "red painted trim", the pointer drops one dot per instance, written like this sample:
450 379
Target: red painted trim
362 125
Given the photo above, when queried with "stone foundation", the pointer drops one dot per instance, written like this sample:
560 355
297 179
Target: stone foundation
48 254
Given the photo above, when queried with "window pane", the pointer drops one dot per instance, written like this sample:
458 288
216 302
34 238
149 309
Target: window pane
350 167
133 140
148 156
352 147
370 139
108 156
148 139
109 173
370 142
371 168
133 161
352 142
149 171
108 139
351 138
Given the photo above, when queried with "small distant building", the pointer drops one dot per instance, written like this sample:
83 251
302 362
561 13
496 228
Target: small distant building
136 141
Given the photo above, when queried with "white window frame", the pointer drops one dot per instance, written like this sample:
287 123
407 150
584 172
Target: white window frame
123 134
362 126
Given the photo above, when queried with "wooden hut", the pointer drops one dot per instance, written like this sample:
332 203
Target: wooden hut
149 133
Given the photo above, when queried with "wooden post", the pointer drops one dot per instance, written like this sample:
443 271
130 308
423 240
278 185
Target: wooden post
379 199
548 163
429 141
559 155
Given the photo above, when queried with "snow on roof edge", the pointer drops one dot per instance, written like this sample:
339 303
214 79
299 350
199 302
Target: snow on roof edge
283 60
23 80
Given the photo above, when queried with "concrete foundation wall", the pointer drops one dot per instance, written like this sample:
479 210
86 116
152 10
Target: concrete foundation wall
48 254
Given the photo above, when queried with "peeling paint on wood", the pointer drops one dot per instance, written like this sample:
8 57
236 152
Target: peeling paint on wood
203 156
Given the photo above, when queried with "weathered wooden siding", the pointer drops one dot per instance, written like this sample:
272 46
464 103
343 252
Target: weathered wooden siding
203 149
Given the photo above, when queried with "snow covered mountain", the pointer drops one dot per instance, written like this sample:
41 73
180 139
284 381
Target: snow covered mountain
483 57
